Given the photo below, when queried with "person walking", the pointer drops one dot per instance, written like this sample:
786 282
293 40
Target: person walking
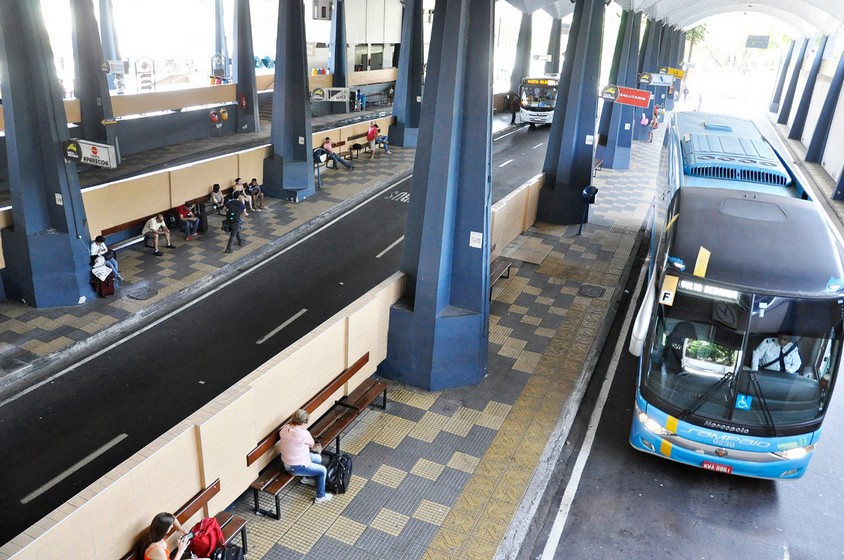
514 107
234 209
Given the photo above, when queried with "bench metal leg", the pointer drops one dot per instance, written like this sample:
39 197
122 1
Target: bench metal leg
337 444
243 539
384 402
260 511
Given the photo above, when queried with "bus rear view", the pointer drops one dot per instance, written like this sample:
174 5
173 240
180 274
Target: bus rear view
740 331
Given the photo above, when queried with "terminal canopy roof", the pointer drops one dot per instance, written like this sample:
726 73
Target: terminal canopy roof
807 17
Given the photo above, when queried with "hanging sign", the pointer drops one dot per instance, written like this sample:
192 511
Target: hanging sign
676 72
319 94
338 94
655 79
626 96
92 153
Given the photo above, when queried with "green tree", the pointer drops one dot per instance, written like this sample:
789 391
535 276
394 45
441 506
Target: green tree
693 36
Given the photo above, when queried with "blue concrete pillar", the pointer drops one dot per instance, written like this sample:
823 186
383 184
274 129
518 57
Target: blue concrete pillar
221 47
243 70
663 59
647 63
554 40
568 161
673 59
439 329
46 248
615 131
788 100
108 37
91 85
775 100
289 172
806 99
407 102
521 66
817 146
337 54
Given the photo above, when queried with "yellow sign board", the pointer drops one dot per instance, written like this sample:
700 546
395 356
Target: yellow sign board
676 72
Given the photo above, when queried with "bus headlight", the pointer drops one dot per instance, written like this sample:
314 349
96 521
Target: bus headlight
796 453
652 425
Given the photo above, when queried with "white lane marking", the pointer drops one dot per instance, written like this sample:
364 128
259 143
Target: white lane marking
276 330
222 286
32 495
520 129
540 144
571 489
387 250
508 162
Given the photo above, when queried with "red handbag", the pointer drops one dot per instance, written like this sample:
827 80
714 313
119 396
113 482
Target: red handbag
207 537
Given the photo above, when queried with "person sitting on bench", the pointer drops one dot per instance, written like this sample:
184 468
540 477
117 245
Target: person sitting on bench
328 146
254 190
189 218
301 454
156 545
155 227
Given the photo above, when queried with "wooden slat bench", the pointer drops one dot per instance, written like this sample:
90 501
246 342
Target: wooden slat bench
230 524
498 269
356 147
597 166
328 427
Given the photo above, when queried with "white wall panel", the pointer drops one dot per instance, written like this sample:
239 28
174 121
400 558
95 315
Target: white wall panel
356 21
392 22
818 98
375 21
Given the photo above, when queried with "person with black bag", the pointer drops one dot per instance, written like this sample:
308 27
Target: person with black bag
99 249
234 208
300 454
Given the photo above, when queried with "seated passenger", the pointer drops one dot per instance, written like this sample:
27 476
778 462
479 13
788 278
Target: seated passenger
238 191
672 355
100 249
103 277
156 228
189 218
328 146
777 354
217 199
155 543
301 454
254 190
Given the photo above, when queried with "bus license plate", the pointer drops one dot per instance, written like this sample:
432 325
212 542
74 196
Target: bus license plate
717 467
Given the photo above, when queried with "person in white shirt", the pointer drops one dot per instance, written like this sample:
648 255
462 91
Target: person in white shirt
777 354
99 249
156 228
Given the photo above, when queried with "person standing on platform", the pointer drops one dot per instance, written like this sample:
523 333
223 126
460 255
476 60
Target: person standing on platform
234 209
514 107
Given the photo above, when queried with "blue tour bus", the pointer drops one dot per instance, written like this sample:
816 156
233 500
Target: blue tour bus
743 263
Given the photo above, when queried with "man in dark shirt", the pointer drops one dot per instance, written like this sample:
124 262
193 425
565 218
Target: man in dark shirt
234 208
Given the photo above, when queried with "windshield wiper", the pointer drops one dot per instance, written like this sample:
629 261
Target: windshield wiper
699 402
769 420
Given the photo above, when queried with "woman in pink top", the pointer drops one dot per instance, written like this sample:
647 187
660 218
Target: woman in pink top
301 454
155 545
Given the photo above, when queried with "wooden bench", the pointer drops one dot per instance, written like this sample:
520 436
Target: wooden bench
356 147
597 166
498 269
275 478
229 523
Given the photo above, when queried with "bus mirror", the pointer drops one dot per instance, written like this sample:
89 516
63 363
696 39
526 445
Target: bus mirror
643 320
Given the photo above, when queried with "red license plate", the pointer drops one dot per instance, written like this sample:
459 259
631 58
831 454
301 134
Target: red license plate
717 467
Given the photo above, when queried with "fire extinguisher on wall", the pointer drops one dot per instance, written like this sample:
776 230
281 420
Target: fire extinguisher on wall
214 117
242 101
224 114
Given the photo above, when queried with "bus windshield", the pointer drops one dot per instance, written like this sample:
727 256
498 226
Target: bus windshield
538 94
757 361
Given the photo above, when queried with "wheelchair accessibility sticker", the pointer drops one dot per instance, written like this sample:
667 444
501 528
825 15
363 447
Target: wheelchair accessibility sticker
743 402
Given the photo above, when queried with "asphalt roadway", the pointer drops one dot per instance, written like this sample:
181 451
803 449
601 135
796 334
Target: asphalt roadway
64 435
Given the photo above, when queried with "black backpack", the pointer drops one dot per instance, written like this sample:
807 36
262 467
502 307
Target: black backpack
339 473
229 552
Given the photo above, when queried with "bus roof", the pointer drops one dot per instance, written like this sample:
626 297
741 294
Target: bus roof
786 245
730 152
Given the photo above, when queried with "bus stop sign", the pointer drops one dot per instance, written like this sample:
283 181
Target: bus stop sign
757 41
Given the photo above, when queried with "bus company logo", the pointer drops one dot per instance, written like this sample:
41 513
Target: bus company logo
609 93
730 441
724 428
